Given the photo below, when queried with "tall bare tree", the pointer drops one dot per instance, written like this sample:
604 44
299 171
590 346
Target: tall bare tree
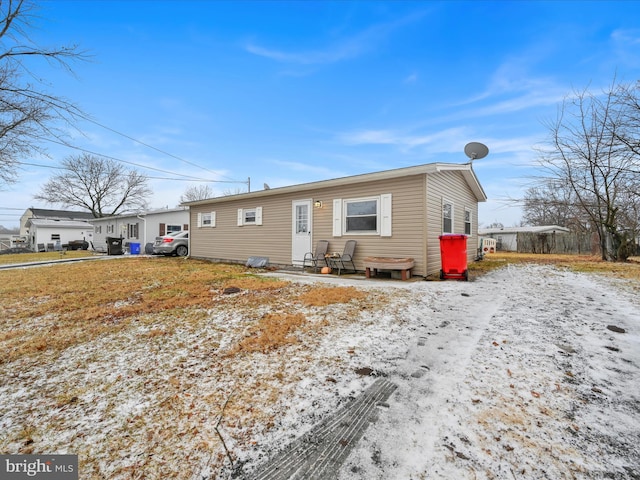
100 185
588 155
554 203
28 112
196 192
628 100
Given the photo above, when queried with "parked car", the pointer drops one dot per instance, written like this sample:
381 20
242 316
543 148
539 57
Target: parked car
176 243
77 245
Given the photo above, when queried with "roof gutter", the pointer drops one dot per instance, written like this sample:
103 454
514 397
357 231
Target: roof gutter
465 168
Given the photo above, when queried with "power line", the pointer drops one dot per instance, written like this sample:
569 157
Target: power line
187 177
79 114
145 144
164 152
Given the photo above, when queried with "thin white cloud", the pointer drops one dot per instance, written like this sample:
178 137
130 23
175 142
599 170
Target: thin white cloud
626 37
330 55
625 46
533 99
344 49
304 168
413 78
375 137
440 141
517 85
448 145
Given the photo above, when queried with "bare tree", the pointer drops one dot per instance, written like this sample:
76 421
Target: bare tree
589 157
28 113
628 100
196 192
227 192
554 203
102 186
495 224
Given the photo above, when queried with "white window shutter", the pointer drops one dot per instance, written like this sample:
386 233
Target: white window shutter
385 215
199 219
213 219
337 217
258 215
240 217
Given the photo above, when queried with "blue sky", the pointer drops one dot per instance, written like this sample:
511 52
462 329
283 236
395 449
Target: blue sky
297 91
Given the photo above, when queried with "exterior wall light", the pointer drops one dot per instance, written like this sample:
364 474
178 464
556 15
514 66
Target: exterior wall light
317 203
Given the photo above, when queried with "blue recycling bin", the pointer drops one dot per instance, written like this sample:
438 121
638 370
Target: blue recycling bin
134 248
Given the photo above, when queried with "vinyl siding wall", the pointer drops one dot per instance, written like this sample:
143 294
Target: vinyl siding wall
451 187
226 241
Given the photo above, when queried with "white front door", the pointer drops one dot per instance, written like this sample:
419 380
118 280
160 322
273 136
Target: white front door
301 243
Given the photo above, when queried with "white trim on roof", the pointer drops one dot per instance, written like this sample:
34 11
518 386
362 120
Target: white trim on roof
429 168
47 222
141 214
535 229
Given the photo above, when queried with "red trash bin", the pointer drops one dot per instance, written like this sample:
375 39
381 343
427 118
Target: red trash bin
453 255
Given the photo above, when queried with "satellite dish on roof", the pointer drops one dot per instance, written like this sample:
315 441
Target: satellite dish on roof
476 151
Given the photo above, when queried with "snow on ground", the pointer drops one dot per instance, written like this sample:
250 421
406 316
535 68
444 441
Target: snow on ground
515 375
512 376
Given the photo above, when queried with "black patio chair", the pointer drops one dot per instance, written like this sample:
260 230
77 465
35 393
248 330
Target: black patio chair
340 261
317 258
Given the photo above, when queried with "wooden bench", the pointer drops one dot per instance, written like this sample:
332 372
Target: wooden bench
386 263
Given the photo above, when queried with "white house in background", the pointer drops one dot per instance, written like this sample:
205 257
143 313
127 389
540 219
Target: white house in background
45 213
507 237
140 228
46 234
9 240
45 229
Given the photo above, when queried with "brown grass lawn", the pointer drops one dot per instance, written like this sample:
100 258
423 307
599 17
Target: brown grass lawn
132 362
579 263
42 256
81 342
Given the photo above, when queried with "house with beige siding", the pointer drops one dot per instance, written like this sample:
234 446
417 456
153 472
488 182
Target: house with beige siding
393 213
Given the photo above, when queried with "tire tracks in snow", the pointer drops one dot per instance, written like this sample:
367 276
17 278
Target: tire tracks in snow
519 379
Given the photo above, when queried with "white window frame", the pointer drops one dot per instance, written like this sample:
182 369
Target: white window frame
447 202
383 216
133 231
243 214
467 211
206 219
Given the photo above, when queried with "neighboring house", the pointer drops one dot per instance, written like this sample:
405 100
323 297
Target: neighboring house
46 229
44 213
9 240
141 227
507 237
45 234
394 213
